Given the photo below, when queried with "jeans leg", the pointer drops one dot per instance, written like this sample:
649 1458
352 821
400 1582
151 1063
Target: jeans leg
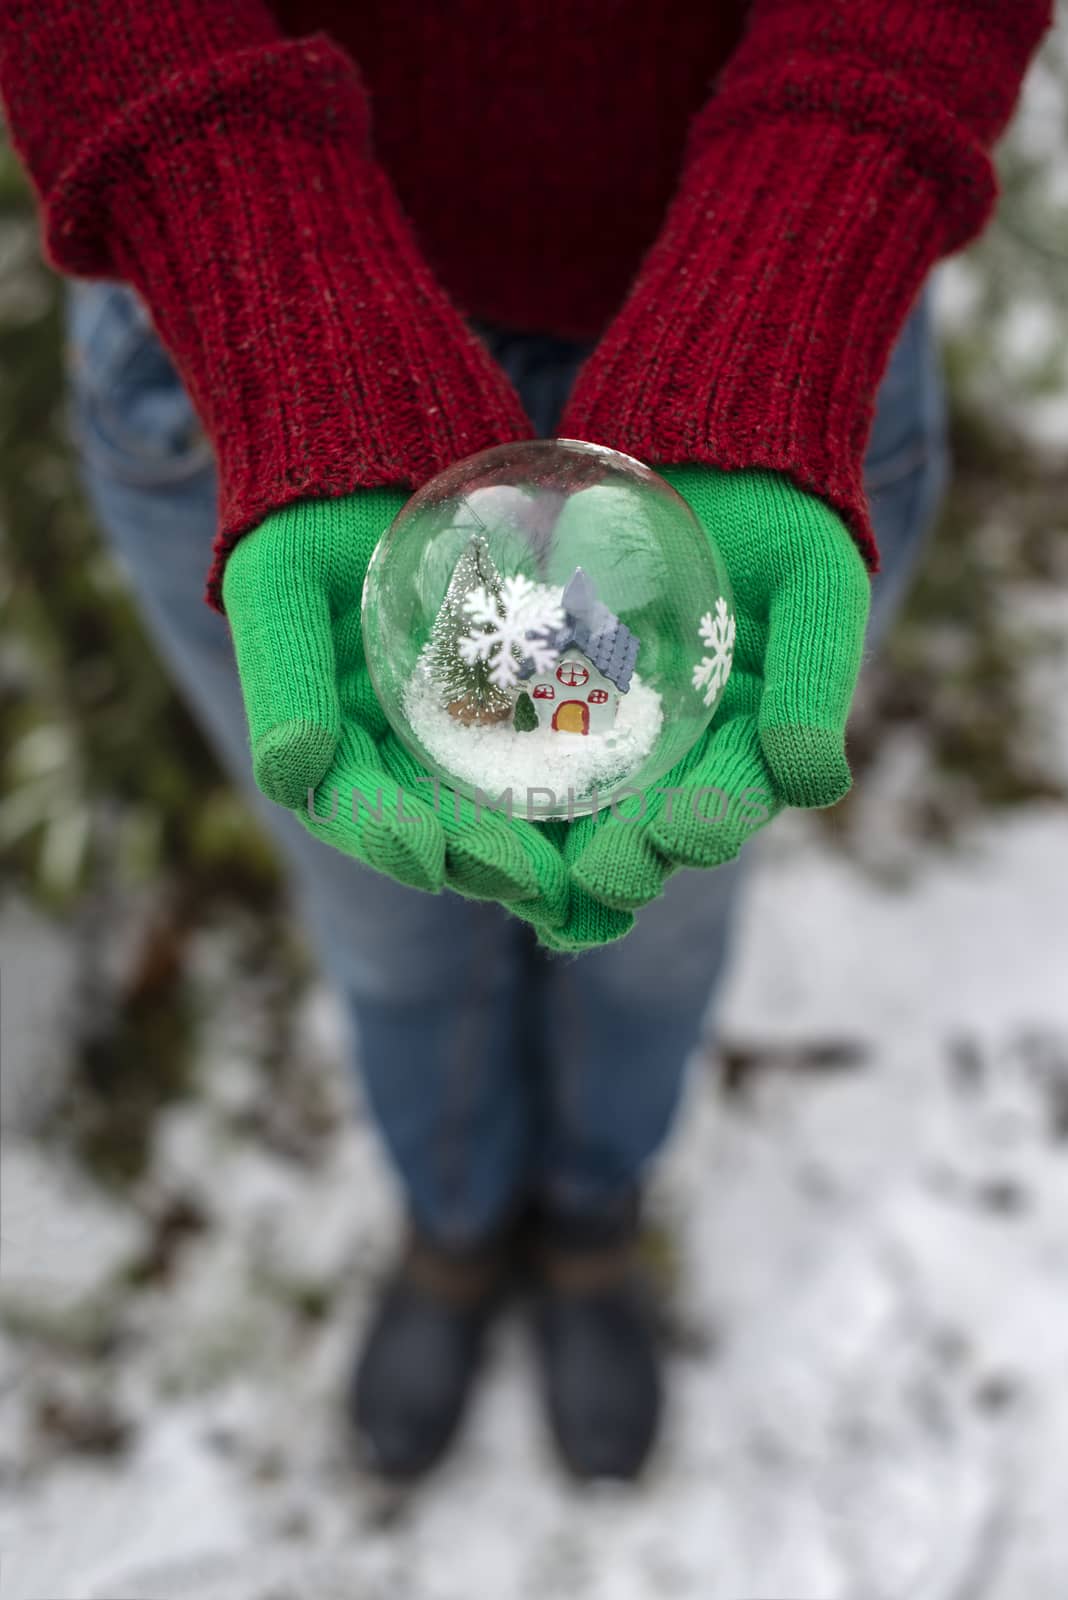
619 1026
619 1023
542 368
432 980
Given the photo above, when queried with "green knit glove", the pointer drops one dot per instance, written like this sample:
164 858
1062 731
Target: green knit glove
292 592
801 594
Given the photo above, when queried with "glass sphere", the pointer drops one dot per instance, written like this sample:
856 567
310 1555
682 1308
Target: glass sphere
548 627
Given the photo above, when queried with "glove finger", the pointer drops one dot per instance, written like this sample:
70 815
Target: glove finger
720 800
361 810
488 856
620 865
614 855
588 925
816 624
589 922
359 703
553 895
280 624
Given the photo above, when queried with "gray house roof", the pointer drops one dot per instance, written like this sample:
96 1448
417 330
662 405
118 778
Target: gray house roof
588 624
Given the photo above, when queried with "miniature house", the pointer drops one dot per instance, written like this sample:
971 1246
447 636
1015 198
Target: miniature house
596 656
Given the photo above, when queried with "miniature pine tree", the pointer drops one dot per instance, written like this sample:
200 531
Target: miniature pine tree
526 718
465 687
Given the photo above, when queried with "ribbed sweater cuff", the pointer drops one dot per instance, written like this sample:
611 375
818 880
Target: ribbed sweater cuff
317 348
762 319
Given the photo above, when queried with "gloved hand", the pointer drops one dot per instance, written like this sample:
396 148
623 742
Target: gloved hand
292 591
801 595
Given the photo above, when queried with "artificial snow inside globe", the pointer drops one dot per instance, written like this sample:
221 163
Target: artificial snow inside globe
548 627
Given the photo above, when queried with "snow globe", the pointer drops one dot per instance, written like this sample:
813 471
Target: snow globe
548 627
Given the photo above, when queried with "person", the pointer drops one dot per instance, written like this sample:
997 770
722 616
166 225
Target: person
699 235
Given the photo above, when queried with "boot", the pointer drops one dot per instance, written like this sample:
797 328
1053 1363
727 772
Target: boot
421 1354
597 1345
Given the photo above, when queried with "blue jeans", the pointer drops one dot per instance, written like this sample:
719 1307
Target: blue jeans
493 1070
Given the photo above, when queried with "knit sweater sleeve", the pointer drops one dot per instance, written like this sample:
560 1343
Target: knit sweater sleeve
844 151
189 149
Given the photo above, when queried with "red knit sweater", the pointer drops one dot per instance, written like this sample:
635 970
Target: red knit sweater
759 208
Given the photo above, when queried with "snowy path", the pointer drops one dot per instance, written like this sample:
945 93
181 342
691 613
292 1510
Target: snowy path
870 1384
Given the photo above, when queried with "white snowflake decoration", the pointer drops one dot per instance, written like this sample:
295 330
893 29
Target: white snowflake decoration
515 627
717 635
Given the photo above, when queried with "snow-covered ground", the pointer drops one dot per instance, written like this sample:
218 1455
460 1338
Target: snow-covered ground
867 1208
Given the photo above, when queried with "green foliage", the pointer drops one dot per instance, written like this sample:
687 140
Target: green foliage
109 796
103 771
457 679
963 660
526 718
967 658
